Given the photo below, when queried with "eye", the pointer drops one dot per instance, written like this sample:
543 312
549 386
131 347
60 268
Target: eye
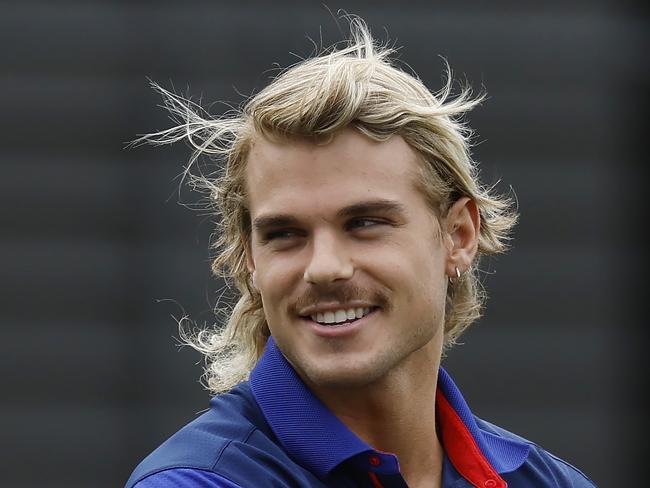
279 235
363 223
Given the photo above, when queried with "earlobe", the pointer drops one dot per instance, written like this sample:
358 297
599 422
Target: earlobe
250 263
463 228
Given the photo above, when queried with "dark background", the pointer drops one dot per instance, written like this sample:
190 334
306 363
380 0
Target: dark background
93 236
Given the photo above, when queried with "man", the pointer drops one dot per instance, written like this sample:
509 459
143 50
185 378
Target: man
352 222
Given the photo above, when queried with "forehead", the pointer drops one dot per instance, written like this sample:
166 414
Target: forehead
298 175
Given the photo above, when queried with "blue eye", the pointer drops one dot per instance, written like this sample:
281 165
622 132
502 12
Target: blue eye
361 223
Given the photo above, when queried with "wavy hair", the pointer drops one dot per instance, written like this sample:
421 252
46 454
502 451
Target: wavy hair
357 85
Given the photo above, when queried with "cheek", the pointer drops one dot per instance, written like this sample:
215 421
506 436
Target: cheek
417 264
424 277
276 280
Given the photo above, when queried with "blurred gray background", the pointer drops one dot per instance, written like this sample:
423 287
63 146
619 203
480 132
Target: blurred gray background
97 255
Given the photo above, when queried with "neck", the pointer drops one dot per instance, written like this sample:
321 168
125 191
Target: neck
397 415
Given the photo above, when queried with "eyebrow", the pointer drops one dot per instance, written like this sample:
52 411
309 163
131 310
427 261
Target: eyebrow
272 221
378 206
381 206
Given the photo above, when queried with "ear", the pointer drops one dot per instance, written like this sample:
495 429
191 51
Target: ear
463 224
250 263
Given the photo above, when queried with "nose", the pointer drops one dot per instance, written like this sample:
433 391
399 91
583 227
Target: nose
329 261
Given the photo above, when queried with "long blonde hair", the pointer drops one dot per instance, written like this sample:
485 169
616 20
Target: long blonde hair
354 85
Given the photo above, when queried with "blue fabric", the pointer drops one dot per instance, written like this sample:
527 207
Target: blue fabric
185 477
273 432
295 414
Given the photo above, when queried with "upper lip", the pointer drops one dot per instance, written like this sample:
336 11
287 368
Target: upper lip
332 307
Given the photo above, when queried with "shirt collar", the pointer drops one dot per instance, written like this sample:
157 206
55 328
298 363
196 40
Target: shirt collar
476 454
316 439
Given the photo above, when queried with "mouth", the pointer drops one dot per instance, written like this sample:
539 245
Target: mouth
341 317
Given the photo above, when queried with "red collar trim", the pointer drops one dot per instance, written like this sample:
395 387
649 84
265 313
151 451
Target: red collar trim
462 449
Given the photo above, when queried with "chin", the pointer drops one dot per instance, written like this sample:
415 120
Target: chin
340 381
340 375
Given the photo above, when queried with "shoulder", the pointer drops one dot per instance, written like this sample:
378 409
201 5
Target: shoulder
232 418
229 446
541 468
185 478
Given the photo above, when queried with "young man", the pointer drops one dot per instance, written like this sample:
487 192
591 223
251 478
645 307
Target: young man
352 222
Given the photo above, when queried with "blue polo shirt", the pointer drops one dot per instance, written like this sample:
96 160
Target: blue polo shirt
272 431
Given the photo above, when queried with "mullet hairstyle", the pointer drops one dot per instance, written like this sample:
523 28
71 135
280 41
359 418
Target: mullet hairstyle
355 85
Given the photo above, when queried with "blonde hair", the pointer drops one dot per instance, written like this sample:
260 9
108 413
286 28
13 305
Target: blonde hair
356 85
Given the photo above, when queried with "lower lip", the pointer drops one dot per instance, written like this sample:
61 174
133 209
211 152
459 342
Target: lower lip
340 330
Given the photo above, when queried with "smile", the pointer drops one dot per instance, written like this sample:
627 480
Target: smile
340 317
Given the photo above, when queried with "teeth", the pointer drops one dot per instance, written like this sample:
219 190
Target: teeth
340 316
